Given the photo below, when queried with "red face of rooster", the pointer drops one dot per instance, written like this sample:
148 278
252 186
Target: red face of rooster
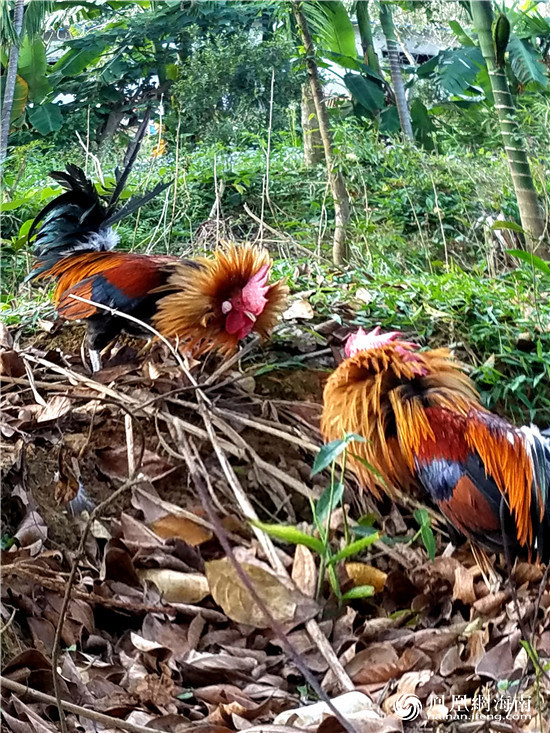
363 341
242 308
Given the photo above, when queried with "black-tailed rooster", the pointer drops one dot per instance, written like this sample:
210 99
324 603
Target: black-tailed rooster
425 427
207 303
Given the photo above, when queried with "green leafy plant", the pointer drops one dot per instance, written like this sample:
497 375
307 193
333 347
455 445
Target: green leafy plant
425 532
332 455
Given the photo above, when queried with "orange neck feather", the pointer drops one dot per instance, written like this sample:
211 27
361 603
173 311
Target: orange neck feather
365 393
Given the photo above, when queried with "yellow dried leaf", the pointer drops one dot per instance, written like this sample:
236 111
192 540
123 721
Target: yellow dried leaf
304 571
185 529
230 593
362 574
175 586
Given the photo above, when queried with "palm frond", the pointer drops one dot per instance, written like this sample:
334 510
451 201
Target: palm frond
35 16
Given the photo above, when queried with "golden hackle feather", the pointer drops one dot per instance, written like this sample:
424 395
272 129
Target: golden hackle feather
192 311
364 393
507 461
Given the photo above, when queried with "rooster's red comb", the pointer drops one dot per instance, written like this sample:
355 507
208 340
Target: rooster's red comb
363 341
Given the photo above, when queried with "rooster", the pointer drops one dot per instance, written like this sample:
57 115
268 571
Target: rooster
206 303
425 428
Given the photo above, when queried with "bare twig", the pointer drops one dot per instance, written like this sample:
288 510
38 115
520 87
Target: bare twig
258 425
37 396
9 622
93 599
198 480
231 361
132 480
128 425
106 720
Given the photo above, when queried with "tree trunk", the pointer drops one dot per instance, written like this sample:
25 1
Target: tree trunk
340 250
313 143
111 126
11 78
530 213
365 32
386 20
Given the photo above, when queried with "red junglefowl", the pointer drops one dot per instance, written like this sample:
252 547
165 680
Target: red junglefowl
424 427
207 303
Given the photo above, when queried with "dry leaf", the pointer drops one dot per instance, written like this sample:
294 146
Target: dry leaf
153 689
498 662
362 574
526 572
380 663
463 588
229 592
113 462
346 704
304 571
183 528
299 309
364 295
11 364
32 532
177 587
491 603
6 340
54 409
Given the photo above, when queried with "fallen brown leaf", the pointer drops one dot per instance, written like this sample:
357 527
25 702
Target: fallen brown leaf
11 364
463 587
299 309
175 526
177 587
380 663
55 408
229 592
498 662
304 571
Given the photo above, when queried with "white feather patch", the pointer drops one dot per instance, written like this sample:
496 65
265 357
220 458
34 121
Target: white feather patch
103 240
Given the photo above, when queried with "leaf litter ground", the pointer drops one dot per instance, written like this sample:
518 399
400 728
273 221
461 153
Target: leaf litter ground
115 573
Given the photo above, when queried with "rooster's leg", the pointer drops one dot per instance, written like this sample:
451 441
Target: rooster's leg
100 332
95 360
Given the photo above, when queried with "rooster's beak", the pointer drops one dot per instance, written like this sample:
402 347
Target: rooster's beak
250 315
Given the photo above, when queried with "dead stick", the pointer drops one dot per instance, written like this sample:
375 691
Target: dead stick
269 549
93 599
198 480
302 442
67 597
107 720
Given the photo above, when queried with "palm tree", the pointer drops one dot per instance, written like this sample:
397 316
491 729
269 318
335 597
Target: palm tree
370 56
386 21
11 76
339 193
532 219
